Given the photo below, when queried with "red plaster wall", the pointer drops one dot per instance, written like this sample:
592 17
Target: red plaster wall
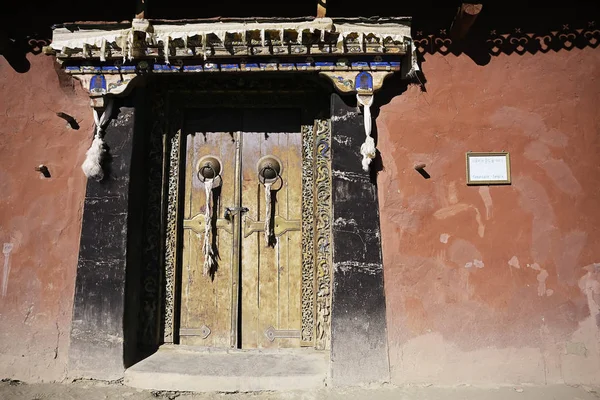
494 284
39 217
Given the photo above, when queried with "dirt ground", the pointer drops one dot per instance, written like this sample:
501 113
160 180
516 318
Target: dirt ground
94 390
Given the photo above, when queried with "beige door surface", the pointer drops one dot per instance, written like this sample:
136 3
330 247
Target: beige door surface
251 298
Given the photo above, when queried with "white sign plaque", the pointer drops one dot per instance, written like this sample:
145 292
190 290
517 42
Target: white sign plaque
488 168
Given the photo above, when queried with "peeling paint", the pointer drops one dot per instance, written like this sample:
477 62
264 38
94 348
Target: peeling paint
541 279
452 210
344 140
444 237
475 263
484 192
452 193
344 117
6 249
462 252
589 284
347 266
350 176
514 262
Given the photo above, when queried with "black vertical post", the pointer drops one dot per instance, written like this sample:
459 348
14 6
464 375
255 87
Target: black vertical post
359 351
105 310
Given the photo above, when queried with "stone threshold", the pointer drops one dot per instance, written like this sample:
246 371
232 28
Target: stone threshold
196 369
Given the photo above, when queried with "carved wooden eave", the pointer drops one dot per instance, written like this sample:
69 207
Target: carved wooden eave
119 53
355 54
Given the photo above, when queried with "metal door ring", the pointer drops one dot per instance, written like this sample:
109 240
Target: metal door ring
209 167
269 170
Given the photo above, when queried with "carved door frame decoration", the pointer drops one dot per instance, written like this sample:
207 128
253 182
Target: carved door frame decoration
316 202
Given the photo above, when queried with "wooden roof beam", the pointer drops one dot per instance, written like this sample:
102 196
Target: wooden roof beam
141 9
465 17
321 8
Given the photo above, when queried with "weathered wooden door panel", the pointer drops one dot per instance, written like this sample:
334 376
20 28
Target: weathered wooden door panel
206 301
269 275
272 299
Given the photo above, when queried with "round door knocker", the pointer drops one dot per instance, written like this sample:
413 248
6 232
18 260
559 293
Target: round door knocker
209 167
269 170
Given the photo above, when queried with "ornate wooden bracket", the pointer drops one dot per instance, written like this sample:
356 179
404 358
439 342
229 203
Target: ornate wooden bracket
99 86
365 83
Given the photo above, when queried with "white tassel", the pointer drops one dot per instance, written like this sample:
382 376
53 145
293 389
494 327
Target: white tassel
268 232
103 50
166 49
92 166
129 46
209 256
367 149
414 66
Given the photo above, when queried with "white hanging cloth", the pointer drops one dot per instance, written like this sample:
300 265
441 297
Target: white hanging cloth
414 65
268 232
207 248
92 166
367 149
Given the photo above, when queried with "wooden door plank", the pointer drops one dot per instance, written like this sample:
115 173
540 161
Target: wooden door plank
207 300
223 276
187 214
282 152
195 288
251 146
268 265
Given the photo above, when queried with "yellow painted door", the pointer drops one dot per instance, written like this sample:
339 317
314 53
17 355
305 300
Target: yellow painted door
252 297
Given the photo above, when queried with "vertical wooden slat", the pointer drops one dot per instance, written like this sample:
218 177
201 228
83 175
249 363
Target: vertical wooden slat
251 245
223 277
187 213
280 150
268 268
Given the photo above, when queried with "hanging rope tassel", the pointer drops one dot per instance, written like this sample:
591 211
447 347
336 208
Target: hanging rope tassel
207 249
414 65
268 232
166 49
103 51
367 149
92 166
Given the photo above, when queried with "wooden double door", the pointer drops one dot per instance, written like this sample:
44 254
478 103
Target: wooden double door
250 297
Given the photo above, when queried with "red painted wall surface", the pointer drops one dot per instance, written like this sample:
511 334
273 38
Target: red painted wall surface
494 284
40 218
